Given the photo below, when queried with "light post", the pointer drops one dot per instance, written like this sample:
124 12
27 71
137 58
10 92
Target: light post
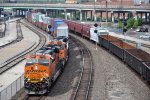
95 31
106 13
95 11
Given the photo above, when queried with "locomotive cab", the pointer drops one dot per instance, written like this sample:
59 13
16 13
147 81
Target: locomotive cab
37 74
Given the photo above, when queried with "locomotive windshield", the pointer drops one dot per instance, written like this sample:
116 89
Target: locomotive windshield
37 61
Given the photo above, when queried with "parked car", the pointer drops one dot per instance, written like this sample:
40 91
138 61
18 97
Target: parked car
142 29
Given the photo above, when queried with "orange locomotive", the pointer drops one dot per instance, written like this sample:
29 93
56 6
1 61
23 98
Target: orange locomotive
43 68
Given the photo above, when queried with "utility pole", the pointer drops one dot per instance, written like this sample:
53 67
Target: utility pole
106 13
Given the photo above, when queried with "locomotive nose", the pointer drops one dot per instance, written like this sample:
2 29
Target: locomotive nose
36 73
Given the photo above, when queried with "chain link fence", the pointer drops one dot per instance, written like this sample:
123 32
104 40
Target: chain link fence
12 89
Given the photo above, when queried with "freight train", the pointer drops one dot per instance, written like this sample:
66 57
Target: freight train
137 59
43 67
56 27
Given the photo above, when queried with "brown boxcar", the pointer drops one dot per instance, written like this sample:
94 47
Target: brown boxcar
135 59
146 71
106 39
71 26
117 48
78 28
86 31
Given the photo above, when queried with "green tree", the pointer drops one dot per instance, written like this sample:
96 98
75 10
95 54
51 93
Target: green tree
136 23
130 23
139 21
120 24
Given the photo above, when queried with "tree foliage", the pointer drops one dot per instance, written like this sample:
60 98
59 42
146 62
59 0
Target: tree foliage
130 23
136 23
120 24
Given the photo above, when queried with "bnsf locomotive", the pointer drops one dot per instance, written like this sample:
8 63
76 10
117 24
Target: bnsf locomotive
43 67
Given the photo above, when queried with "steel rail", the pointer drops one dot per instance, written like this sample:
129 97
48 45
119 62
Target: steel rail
33 97
83 87
20 57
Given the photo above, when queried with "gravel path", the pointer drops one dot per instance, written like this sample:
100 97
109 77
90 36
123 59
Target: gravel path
113 80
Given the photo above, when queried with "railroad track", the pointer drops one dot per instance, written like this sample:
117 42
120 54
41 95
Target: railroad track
19 37
82 90
34 97
20 57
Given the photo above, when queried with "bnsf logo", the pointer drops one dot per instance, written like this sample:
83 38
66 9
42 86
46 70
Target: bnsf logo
34 71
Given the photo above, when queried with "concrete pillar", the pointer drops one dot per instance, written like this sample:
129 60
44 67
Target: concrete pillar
86 15
12 12
145 17
119 16
106 17
141 14
83 15
45 12
91 15
149 17
80 15
0 11
112 16
65 13
75 15
123 15
17 12
95 15
134 13
55 13
101 16
72 15
22 12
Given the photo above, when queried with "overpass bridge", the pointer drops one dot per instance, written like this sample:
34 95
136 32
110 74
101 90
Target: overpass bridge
84 9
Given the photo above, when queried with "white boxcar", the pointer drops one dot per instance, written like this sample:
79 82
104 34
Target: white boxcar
100 31
62 30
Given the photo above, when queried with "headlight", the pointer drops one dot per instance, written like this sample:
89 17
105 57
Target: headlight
41 79
28 79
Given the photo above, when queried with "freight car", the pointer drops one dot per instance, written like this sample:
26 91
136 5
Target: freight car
43 67
56 27
137 59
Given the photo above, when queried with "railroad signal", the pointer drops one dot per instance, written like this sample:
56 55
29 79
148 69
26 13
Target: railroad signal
95 31
124 30
124 23
124 26
95 24
49 26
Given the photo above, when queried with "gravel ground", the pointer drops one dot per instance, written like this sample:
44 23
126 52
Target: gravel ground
113 80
